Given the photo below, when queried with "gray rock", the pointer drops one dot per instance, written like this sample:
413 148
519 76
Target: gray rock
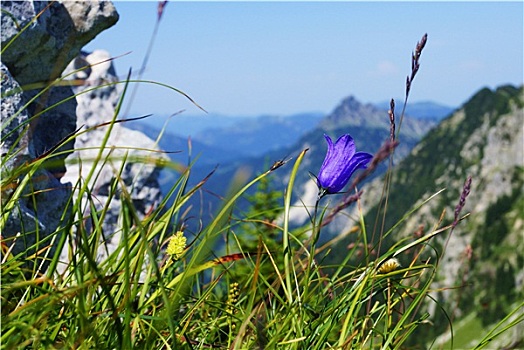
97 98
39 210
53 120
55 33
39 39
14 118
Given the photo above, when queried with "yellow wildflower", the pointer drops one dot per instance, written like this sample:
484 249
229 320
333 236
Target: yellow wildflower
177 245
390 265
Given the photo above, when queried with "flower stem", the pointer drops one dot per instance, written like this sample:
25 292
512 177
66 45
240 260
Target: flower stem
315 234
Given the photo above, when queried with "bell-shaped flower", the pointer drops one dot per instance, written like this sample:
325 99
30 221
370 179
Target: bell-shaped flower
340 163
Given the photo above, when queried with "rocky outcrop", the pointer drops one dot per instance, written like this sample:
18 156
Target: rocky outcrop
98 92
39 210
40 38
42 42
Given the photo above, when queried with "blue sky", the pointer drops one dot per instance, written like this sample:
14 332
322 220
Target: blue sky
280 58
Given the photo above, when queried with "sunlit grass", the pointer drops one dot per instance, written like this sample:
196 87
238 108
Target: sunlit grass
161 287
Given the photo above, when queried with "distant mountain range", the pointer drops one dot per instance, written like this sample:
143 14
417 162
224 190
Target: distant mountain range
219 139
420 110
257 136
192 125
224 139
251 143
365 122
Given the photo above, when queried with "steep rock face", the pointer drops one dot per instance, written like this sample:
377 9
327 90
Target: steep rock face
39 38
98 95
485 253
486 138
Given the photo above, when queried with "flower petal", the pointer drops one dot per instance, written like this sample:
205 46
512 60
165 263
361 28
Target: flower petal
340 163
361 160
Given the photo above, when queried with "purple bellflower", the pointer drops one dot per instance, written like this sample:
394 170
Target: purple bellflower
340 163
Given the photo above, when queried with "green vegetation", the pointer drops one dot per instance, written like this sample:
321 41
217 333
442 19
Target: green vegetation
273 287
267 291
141 298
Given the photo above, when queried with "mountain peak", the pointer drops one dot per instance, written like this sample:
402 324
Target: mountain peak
351 102
353 112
